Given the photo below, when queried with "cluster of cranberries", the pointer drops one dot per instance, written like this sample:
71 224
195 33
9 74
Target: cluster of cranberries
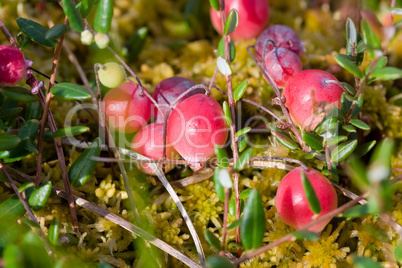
195 124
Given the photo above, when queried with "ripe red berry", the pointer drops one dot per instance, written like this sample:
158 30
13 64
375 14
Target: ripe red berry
292 204
307 93
149 142
253 17
167 91
282 64
283 36
127 110
12 66
195 126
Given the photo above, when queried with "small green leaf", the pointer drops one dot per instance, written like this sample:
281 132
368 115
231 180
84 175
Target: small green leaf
285 140
343 150
34 251
234 224
73 16
223 66
103 16
398 252
310 236
356 211
380 64
213 240
13 257
222 156
363 149
56 31
242 143
11 208
358 106
219 189
24 41
136 43
232 206
387 73
224 178
232 20
70 131
35 31
335 140
380 162
243 159
25 186
39 196
29 130
8 141
83 167
357 173
221 49
242 131
349 128
351 90
351 36
359 124
369 36
244 194
19 94
217 261
239 90
313 140
85 7
346 102
70 91
30 223
252 226
215 4
311 196
346 62
363 262
33 110
227 112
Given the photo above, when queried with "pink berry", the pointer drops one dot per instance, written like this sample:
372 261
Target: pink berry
149 142
307 93
253 17
195 126
12 66
292 204
283 36
127 110
167 91
282 64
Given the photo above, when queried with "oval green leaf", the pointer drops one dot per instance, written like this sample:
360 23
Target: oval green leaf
346 62
363 149
359 124
25 186
351 90
39 196
311 196
370 38
70 131
213 240
83 166
8 141
11 208
35 31
310 236
29 130
343 150
136 43
351 36
221 49
313 140
219 189
53 233
335 140
285 140
232 206
70 91
103 16
227 112
19 94
358 106
387 73
73 16
252 226
234 224
222 156
242 131
242 143
215 4
243 159
239 90
85 7
232 20
56 31
217 261
349 128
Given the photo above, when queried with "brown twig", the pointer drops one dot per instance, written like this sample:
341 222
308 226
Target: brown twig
265 109
7 34
225 219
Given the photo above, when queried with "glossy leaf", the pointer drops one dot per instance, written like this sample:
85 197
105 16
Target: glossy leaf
29 130
225 178
39 196
227 112
381 63
8 141
19 94
346 62
346 102
85 7
136 43
351 36
53 233
73 16
285 140
35 31
70 131
343 150
232 20
357 173
359 124
221 49
11 208
349 128
363 149
252 226
239 90
356 211
242 143
335 140
312 140
369 36
311 196
380 162
222 156
242 131
223 66
244 194
103 16
310 236
232 206
83 167
56 31
25 186
234 224
33 110
364 262
387 73
351 90
358 106
219 189
213 240
243 159
70 91
217 261
215 4
30 223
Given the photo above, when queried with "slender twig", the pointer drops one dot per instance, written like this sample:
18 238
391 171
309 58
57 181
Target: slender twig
327 157
225 219
290 237
117 220
213 77
7 34
265 109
